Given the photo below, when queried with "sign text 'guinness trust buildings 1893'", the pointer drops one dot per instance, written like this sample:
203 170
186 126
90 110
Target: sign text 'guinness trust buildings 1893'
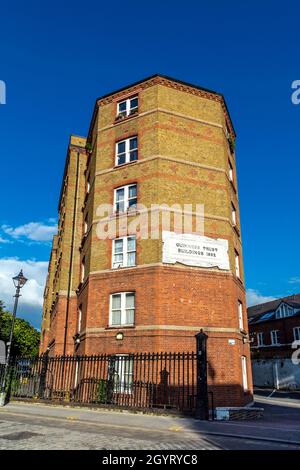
148 250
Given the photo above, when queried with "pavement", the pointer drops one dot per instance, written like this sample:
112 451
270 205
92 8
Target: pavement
34 426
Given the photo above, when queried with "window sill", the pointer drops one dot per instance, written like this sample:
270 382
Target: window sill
123 267
125 164
122 214
83 240
125 118
81 285
120 327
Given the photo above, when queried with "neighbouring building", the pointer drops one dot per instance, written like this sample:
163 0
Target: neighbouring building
157 142
273 328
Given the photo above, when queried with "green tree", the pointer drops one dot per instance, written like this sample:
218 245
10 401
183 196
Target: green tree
26 338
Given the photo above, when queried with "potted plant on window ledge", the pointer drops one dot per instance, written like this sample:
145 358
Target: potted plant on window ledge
88 147
231 143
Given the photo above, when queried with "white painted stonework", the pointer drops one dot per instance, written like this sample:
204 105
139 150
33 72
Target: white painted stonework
195 250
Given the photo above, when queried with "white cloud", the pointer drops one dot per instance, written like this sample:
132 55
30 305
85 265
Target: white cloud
254 297
4 240
32 293
294 280
35 231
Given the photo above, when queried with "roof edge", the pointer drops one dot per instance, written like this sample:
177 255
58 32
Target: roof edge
151 77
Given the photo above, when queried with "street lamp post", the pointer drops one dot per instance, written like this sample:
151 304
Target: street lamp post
19 281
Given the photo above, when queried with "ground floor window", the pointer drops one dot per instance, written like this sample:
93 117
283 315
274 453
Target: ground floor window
121 373
244 372
122 306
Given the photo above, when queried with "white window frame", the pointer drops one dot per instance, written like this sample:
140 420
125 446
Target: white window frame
82 274
85 225
241 315
88 184
233 214
127 150
122 308
129 109
124 253
230 171
237 264
76 374
121 385
79 320
296 329
274 334
126 196
284 311
260 338
244 373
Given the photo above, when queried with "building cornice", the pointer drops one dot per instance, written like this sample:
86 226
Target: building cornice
163 80
170 83
180 328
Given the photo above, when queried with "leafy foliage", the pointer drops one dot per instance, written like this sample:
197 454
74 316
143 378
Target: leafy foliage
231 142
26 338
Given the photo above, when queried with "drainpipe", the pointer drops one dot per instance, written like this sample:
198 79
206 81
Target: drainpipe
71 255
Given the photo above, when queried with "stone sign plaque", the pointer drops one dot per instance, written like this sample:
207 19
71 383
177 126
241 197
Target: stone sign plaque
195 250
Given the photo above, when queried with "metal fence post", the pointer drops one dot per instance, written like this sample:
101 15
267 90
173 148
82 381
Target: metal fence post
42 382
202 392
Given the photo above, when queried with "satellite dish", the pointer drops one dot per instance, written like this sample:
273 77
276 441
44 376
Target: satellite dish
2 352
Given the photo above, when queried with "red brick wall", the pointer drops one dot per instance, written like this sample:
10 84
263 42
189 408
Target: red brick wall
57 326
184 299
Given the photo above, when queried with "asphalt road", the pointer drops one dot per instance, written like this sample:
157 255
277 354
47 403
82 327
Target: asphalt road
35 426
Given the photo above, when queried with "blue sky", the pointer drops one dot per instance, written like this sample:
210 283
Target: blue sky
57 57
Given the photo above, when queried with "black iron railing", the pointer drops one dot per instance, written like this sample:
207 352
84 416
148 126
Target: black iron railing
143 380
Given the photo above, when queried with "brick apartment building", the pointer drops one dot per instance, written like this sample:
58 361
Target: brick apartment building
273 327
158 141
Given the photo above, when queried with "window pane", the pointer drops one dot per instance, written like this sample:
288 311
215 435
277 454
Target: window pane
121 147
118 246
131 259
120 194
132 190
116 301
116 317
131 244
121 159
133 155
133 143
118 260
132 202
129 317
122 106
120 206
134 103
130 300
128 366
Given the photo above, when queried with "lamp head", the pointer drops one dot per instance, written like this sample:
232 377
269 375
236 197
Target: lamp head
19 280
